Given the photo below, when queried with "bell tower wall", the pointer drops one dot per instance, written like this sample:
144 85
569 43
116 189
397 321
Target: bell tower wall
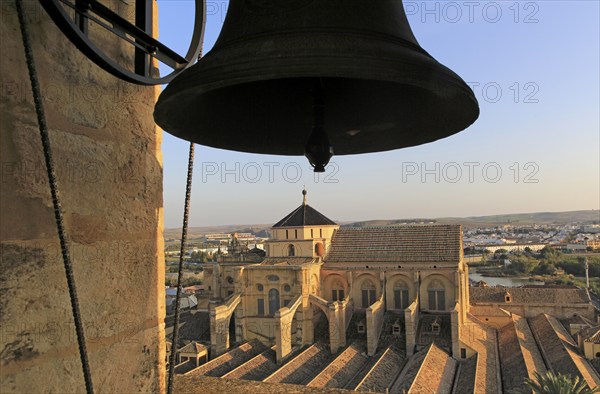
109 171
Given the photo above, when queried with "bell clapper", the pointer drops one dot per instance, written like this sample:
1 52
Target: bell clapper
318 150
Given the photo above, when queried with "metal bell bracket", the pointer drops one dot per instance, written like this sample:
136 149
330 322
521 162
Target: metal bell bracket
73 18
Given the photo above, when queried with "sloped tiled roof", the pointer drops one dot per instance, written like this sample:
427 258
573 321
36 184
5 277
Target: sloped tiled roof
424 335
591 334
304 215
406 244
529 295
520 357
467 376
482 339
431 370
560 350
193 347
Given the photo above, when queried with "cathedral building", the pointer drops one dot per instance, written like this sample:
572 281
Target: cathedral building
369 294
317 272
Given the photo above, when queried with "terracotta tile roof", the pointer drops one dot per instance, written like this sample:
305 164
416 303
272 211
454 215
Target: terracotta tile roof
226 362
193 347
406 244
520 357
193 327
304 215
482 339
560 351
467 375
256 368
304 367
529 295
383 372
425 336
591 334
197 384
431 370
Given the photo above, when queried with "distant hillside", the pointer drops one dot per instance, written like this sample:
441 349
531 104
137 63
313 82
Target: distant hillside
580 217
571 217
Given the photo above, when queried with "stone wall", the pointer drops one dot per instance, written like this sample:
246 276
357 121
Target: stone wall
107 151
493 310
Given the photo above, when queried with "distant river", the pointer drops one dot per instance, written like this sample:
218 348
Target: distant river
494 281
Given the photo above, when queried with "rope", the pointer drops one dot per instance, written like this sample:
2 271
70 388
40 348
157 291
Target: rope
186 213
41 118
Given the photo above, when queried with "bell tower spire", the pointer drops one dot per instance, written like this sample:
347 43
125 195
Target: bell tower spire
304 196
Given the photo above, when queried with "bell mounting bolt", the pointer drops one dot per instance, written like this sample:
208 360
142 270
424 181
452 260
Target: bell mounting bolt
74 17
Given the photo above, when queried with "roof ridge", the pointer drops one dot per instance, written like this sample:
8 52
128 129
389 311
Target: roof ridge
398 226
303 216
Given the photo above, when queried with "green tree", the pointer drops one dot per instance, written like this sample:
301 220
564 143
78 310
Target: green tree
550 383
548 252
545 269
199 257
522 264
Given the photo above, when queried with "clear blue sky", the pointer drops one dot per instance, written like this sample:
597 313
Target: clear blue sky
539 64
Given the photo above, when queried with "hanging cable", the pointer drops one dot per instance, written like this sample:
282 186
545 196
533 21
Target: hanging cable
64 246
186 212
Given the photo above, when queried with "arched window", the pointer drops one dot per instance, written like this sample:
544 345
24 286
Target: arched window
437 296
368 291
319 249
291 250
337 291
400 295
273 301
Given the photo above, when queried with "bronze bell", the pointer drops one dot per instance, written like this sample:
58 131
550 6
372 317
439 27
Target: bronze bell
255 90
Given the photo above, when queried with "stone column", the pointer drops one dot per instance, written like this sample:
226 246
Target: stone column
109 170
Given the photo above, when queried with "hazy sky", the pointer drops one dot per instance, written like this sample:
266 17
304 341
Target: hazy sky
534 67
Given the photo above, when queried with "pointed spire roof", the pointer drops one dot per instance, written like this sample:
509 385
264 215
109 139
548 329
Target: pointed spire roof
304 215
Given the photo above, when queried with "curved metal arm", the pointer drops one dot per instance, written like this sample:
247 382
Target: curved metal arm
139 35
